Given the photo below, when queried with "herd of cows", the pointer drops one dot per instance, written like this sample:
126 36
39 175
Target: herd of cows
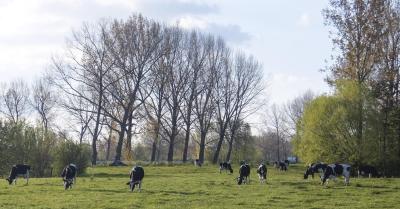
136 175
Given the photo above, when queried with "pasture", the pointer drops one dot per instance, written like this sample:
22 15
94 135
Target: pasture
186 186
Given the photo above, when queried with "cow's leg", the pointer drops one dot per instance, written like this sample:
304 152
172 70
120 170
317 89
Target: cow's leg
369 175
140 186
27 177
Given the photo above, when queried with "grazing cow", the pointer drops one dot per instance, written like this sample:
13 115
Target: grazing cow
367 170
197 162
244 174
287 162
262 172
136 177
18 170
315 168
69 175
334 170
280 165
225 166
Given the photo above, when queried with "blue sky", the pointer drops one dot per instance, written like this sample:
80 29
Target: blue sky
287 36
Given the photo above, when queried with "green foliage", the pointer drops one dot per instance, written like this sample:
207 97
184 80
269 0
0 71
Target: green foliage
328 130
68 152
23 144
191 187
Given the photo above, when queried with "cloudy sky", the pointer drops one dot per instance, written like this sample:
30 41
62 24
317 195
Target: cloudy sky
287 36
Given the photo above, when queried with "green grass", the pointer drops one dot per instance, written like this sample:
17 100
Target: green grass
191 187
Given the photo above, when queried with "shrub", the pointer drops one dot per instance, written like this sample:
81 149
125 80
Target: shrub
70 152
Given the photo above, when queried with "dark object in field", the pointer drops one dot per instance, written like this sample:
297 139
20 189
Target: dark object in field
136 177
315 168
118 163
280 165
262 172
197 162
244 174
18 170
225 166
287 162
367 170
69 175
334 170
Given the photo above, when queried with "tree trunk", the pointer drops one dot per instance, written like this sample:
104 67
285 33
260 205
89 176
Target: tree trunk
219 145
202 146
186 147
97 125
121 135
228 156
108 147
129 136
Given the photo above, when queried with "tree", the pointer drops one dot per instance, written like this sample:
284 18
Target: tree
43 101
14 100
82 73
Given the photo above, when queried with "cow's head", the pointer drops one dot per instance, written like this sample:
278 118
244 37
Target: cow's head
9 180
239 180
68 183
308 172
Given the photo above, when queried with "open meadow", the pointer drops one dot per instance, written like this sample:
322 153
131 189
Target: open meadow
186 186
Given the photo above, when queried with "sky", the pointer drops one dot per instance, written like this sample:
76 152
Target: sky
288 37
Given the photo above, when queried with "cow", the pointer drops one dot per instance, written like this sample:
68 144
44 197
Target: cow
262 172
68 175
225 166
315 168
19 170
280 165
197 163
367 170
136 177
287 162
334 170
244 174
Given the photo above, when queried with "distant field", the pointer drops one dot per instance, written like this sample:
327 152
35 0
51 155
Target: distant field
191 187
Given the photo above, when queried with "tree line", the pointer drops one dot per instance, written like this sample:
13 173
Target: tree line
359 123
136 80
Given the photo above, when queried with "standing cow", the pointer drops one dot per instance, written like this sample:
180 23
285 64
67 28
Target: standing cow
262 172
367 170
18 170
334 170
136 177
244 174
69 175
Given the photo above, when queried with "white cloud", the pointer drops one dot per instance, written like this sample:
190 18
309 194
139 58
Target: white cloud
304 20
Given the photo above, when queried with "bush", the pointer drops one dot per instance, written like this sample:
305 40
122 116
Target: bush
70 152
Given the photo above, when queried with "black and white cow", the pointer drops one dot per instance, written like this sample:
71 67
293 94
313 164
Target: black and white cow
244 174
367 170
18 170
262 172
225 166
69 175
315 168
136 177
334 170
280 165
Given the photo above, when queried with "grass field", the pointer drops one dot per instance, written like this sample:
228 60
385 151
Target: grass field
191 187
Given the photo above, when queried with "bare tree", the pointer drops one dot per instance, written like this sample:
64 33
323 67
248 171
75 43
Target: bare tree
15 100
204 104
135 49
43 101
277 126
82 72
247 86
177 77
196 57
294 110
